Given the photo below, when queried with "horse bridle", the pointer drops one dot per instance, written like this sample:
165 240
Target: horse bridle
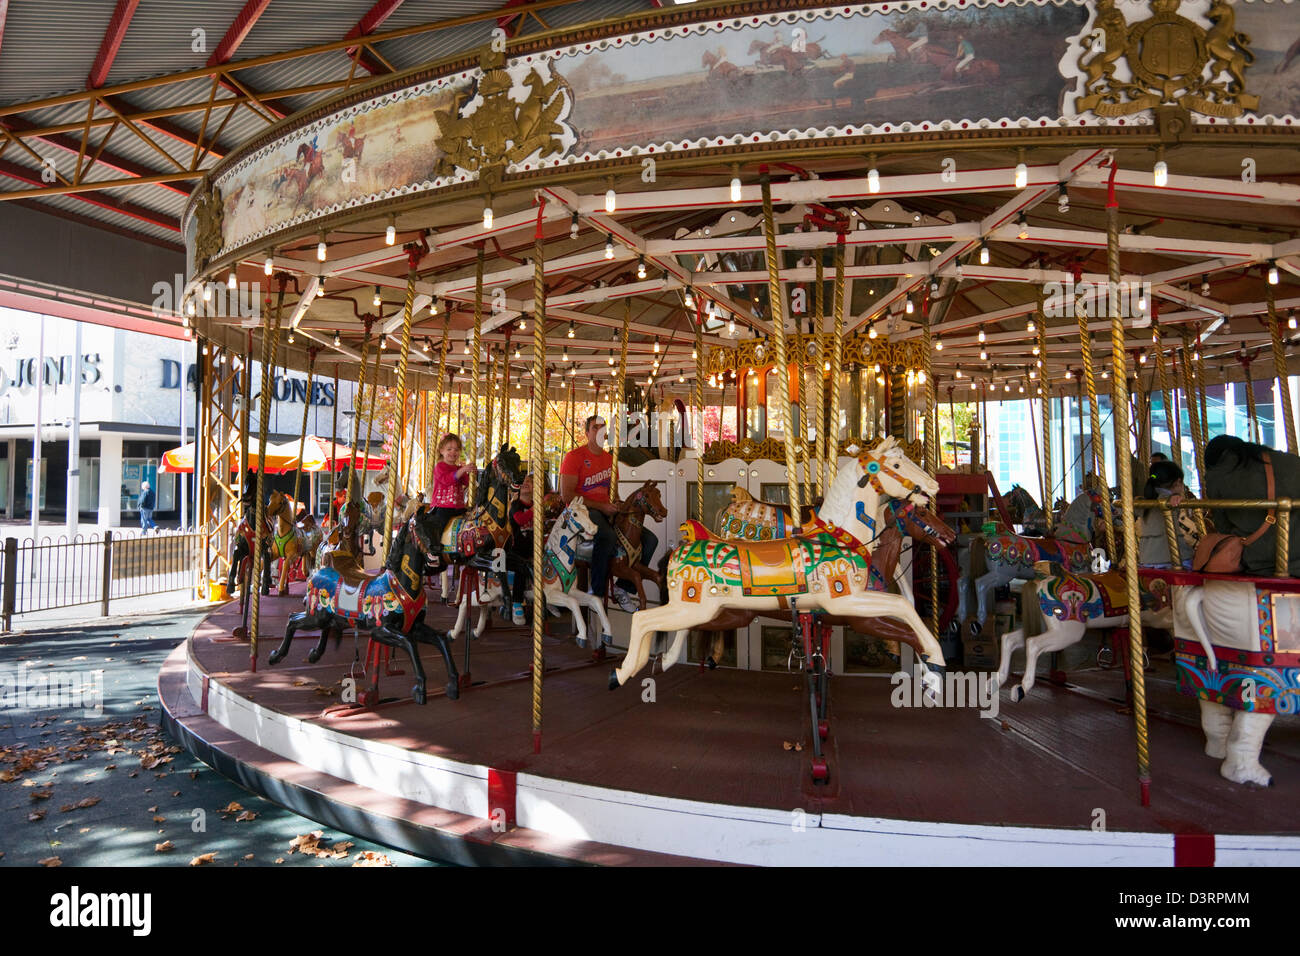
873 468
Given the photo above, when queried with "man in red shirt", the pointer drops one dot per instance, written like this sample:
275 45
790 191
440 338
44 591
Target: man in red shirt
588 471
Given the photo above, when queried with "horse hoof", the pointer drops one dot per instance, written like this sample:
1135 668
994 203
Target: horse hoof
313 656
417 694
1017 694
581 642
453 690
274 657
613 679
711 663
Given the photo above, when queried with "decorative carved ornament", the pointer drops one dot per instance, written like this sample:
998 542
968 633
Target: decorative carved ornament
1172 61
499 130
207 235
815 349
773 449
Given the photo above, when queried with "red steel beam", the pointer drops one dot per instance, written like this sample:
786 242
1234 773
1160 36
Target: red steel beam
108 47
367 25
248 16
96 198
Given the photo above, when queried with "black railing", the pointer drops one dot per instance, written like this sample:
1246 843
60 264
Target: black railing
94 570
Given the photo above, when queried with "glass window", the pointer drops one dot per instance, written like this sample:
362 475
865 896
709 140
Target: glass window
4 483
702 644
138 470
717 495
44 470
88 495
776 645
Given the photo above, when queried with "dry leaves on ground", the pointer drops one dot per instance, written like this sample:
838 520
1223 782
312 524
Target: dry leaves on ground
50 861
309 844
201 860
371 858
36 816
165 847
79 805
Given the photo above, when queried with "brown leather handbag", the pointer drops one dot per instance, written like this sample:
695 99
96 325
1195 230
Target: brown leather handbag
1222 553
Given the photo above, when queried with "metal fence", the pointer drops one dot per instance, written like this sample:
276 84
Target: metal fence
95 570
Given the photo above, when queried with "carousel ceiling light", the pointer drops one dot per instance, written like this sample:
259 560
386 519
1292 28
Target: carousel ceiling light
908 307
1290 320
1105 374
566 355
321 250
1023 232
656 345
1022 389
189 308
1033 374
1022 171
681 378
517 352
690 299
205 348
573 227
467 347
731 326
1069 373
383 342
488 217
291 336
1062 198
1142 358
1036 350
609 247
880 380
640 267
1205 285
1031 325
523 324
611 200
984 253
571 332
337 342
433 306
938 344
981 335
1160 172
231 281
390 234
957 374
695 353
1006 386
427 345
984 355
609 360
376 300
873 176
735 183
207 292
1272 272
871 331
268 266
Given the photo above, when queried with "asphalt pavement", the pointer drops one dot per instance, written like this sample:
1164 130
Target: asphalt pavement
93 780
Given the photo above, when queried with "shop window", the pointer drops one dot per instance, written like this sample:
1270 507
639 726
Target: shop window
135 471
4 483
717 495
88 495
44 470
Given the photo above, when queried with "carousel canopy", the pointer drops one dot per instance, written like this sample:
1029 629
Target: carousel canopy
318 455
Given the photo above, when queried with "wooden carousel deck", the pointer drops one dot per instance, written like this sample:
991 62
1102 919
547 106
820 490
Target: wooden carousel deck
717 738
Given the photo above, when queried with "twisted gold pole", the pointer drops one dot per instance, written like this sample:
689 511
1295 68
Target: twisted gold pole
1094 437
357 399
431 460
490 410
505 394
402 357
1166 394
477 347
837 360
699 403
270 343
1046 409
1251 409
931 448
1193 407
537 456
1123 460
370 418
817 376
1283 390
620 405
782 359
302 434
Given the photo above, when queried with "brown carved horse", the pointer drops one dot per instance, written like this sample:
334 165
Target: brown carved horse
628 525
288 540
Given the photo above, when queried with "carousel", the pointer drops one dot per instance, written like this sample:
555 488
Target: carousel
807 271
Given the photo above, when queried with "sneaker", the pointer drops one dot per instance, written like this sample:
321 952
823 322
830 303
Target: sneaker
517 615
625 601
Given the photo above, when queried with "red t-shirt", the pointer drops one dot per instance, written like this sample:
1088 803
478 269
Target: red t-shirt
448 490
594 471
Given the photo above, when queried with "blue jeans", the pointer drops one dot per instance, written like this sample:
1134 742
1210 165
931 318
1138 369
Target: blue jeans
146 520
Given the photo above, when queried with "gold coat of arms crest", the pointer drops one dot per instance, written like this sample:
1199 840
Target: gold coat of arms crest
1172 61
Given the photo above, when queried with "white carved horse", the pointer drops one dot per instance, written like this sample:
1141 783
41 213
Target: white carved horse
716 584
1225 616
1057 609
573 529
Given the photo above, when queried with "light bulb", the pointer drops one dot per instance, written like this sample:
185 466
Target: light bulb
390 234
610 200
376 300
189 307
487 217
981 337
908 308
1063 199
426 345
523 324
873 180
1290 320
336 339
731 326
609 248
231 281
383 342
1022 390
1022 175
735 189
571 333
871 331
1036 350
291 336
516 351
1031 326
205 349
695 354
1160 173
1069 373
1142 358
566 355
984 253
268 266
1006 386
467 347
433 306
938 344
957 374
1205 285
573 227
207 292
610 361
690 300
826 366
320 251
1272 272
640 268
984 355
1142 301
656 345
1105 374
1023 233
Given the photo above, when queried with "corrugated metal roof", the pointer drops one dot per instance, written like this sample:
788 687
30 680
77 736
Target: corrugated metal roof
49 48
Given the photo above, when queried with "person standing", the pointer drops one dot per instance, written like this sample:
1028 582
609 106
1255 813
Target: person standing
147 502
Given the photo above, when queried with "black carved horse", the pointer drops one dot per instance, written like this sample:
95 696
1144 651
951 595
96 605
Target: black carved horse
389 605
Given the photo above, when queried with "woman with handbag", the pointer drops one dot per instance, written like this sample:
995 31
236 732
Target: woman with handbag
1165 481
1235 469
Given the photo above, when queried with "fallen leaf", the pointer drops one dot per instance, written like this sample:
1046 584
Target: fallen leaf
41 794
36 816
279 860
231 807
371 858
248 856
205 858
79 805
246 816
153 809
159 819
165 847
50 861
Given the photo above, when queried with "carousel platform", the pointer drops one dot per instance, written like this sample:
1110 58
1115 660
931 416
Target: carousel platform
702 775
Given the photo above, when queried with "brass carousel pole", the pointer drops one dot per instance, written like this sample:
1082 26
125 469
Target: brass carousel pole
439 386
536 454
414 252
490 411
1094 420
1281 388
302 434
358 398
270 342
1166 397
1249 381
1045 401
334 438
1123 460
778 335
832 447
370 417
816 376
931 447
504 438
476 346
699 403
1193 408
620 408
